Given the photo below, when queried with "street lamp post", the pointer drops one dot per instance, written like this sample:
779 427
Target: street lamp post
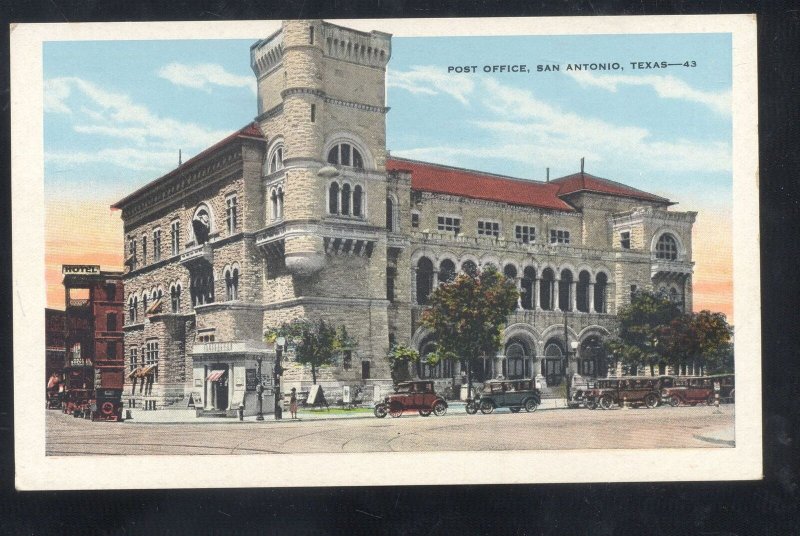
276 374
260 391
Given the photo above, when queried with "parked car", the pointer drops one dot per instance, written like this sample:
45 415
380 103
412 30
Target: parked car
727 387
512 394
633 391
691 391
416 395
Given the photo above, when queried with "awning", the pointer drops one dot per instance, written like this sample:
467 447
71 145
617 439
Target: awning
155 308
215 375
130 259
146 371
134 373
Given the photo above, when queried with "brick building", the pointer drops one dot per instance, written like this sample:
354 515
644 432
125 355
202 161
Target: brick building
303 213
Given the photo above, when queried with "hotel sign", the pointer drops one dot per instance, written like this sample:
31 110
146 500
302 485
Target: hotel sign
80 269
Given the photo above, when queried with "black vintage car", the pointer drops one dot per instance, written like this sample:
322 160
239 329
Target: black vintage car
512 394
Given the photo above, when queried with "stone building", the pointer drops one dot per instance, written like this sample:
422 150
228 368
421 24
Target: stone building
303 213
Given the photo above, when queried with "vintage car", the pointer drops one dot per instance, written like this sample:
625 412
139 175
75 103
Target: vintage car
693 391
632 391
416 395
512 394
727 386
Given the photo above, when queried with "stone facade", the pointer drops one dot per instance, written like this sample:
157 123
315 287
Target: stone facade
303 214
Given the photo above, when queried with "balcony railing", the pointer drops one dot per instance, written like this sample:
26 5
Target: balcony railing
197 253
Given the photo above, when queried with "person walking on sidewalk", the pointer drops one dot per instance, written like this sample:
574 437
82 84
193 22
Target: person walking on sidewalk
293 403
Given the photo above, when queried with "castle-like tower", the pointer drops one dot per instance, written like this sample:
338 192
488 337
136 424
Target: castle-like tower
321 91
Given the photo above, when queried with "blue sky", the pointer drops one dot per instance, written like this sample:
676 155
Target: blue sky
116 112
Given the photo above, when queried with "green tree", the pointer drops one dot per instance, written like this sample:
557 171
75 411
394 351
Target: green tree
704 338
316 343
640 323
400 356
467 315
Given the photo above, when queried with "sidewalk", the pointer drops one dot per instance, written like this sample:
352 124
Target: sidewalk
183 416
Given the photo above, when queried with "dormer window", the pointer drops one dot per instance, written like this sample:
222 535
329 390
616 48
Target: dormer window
344 154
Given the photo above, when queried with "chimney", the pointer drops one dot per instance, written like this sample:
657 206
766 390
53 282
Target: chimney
548 174
180 160
581 165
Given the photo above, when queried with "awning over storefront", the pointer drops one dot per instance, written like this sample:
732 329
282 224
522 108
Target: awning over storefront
216 375
134 373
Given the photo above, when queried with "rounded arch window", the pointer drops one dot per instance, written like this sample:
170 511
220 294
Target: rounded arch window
346 154
447 271
424 280
667 247
469 268
276 159
201 224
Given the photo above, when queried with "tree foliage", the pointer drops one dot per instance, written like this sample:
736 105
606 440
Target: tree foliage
467 315
316 343
400 356
654 331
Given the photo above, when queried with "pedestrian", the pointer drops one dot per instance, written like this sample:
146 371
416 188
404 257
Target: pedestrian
293 403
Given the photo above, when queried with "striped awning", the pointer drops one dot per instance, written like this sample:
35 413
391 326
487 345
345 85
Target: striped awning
134 373
146 371
155 308
216 375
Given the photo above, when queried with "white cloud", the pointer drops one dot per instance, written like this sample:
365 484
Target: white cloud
430 80
114 115
130 158
204 76
524 128
666 86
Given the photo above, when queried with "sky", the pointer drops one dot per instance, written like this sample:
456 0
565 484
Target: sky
118 112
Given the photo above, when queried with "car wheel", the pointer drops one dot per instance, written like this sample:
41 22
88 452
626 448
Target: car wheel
606 401
514 410
439 408
591 404
531 405
472 408
395 411
487 407
651 400
425 412
674 401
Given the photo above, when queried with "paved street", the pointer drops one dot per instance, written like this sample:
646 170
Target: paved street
664 427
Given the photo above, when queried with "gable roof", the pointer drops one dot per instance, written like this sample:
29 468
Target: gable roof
251 131
436 178
584 182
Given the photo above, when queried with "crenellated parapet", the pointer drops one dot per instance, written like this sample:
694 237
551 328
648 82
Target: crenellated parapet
372 49
266 54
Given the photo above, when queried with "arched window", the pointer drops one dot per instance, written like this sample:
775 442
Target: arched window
565 291
333 198
515 360
592 360
344 154
132 309
553 363
232 284
600 285
201 225
389 214
276 160
583 291
510 271
546 289
202 287
469 268
144 302
528 281
424 280
447 271
346 199
667 247
358 196
175 297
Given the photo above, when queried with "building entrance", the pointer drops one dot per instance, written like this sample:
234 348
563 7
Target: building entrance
218 380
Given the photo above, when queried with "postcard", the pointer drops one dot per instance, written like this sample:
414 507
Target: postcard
381 252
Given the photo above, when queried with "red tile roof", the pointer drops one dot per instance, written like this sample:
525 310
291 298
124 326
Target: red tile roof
251 130
584 182
440 179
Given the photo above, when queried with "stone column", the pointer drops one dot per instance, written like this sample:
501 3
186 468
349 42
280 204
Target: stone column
555 294
591 297
573 296
435 280
518 283
414 285
535 287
